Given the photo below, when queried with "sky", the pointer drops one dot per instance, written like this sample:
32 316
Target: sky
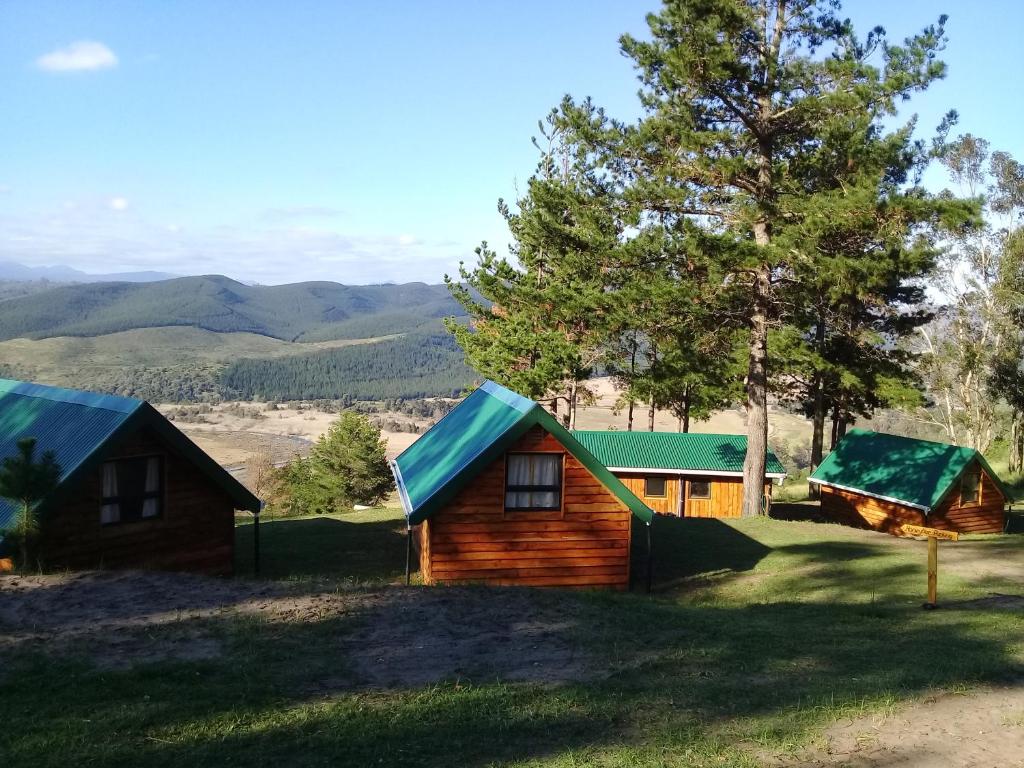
363 141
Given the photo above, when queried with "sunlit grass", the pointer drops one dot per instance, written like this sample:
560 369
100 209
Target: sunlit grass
760 634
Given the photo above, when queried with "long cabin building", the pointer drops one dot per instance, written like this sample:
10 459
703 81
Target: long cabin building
683 474
499 492
881 481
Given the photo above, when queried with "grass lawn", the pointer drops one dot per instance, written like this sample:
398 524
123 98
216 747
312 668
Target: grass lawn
760 633
362 548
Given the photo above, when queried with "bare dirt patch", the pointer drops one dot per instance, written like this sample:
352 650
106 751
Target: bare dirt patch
978 730
417 637
402 637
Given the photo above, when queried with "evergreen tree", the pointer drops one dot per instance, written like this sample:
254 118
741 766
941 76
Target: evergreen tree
347 466
26 482
665 352
539 319
739 96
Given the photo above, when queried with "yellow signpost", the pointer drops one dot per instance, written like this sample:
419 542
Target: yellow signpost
933 534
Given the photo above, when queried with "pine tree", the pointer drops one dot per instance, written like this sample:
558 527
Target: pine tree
347 466
738 96
26 482
538 320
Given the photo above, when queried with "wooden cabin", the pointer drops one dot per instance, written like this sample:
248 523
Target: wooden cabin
134 492
498 492
683 474
881 481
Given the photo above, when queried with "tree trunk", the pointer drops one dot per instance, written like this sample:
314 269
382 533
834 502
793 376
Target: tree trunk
1016 441
757 392
572 405
684 419
818 415
629 417
25 508
817 434
842 422
650 418
835 428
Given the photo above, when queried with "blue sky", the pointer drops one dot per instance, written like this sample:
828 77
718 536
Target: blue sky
350 141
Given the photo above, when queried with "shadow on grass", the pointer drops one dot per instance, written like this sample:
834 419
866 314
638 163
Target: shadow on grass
1015 522
686 546
325 547
806 511
665 681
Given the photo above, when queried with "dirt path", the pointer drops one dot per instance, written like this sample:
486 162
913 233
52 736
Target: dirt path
977 730
400 637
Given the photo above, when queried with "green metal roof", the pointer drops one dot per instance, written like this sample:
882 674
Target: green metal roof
472 435
672 450
914 472
75 425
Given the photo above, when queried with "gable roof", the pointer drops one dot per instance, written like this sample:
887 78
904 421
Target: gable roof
684 451
472 435
75 425
918 473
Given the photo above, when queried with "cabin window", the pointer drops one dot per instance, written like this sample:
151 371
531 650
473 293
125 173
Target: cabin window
133 489
700 489
654 487
970 489
533 481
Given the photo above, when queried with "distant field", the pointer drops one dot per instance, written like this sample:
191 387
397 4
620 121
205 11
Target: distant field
782 426
156 347
231 438
178 363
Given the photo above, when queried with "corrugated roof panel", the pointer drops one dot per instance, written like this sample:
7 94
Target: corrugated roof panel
449 454
917 472
672 450
72 424
464 433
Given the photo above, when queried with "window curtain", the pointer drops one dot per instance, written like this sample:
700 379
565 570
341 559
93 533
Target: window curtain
545 472
110 513
535 469
151 506
518 474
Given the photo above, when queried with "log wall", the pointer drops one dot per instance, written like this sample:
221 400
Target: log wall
585 543
726 499
862 511
988 515
195 532
666 505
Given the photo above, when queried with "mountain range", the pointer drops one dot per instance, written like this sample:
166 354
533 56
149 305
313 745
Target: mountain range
60 273
192 338
303 312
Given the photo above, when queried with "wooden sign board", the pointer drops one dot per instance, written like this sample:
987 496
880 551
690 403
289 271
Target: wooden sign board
931 533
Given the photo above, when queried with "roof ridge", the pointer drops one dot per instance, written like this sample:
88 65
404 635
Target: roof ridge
644 432
862 431
70 396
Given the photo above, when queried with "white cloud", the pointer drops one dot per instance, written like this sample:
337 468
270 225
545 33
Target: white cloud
406 240
89 238
118 204
80 56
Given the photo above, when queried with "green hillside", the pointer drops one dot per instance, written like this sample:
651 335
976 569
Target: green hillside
316 311
417 365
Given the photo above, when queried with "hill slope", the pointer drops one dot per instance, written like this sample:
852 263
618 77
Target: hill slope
318 311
